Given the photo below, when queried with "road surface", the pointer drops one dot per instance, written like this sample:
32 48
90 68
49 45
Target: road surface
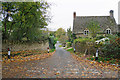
60 65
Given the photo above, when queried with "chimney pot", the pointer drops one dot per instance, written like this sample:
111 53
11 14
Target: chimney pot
111 13
74 14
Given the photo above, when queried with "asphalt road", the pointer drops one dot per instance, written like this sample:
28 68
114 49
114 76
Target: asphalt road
60 65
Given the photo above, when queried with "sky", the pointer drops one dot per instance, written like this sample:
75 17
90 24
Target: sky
119 13
61 11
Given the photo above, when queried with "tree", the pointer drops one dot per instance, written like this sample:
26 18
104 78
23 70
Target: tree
7 8
63 39
26 21
69 34
94 28
52 42
60 32
61 35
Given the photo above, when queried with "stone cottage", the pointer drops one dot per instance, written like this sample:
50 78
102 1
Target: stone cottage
107 24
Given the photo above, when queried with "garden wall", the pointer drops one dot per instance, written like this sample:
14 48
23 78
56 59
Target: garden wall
25 46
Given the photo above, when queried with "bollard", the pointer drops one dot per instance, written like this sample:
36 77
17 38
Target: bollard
74 50
8 53
96 55
48 49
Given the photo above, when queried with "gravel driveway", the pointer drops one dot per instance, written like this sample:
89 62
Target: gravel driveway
60 65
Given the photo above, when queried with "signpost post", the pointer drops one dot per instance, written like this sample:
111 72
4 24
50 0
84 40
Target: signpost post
8 53
96 55
74 49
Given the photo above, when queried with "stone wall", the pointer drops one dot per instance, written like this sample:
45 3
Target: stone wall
25 46
85 47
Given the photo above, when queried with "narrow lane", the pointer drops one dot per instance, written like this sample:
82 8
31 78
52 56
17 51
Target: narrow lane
59 65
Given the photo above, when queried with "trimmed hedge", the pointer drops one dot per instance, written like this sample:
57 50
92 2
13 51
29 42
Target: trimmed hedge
85 45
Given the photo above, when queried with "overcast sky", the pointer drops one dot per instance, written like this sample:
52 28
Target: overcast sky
62 11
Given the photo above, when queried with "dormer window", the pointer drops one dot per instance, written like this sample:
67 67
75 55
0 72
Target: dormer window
86 32
108 31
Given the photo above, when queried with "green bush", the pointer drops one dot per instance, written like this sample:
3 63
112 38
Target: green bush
69 44
112 61
118 34
111 37
112 49
52 42
99 37
83 40
84 45
52 50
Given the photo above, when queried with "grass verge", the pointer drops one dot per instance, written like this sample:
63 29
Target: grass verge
60 45
105 60
52 50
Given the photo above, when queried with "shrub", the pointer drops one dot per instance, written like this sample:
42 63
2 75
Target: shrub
112 49
84 45
111 37
52 42
52 50
99 37
118 34
69 44
83 40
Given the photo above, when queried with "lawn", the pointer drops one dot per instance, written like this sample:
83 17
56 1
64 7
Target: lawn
52 50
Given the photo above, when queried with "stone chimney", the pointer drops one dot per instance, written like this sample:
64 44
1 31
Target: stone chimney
111 13
74 15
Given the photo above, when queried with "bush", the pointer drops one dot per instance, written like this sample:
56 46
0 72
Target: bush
118 34
69 44
84 45
83 40
112 37
52 42
99 37
112 49
52 50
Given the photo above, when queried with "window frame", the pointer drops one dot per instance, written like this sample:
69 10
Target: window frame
108 31
86 32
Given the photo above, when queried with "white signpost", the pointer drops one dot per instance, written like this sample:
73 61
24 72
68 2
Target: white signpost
74 50
96 55
8 53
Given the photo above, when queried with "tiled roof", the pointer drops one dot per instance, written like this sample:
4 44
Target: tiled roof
80 23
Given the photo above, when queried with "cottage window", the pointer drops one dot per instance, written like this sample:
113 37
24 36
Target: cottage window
86 32
108 31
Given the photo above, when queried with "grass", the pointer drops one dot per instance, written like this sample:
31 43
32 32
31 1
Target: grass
71 50
105 60
52 50
77 53
60 45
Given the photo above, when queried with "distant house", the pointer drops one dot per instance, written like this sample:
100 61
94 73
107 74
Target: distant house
107 24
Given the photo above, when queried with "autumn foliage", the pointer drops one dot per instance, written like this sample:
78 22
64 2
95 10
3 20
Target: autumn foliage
21 56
